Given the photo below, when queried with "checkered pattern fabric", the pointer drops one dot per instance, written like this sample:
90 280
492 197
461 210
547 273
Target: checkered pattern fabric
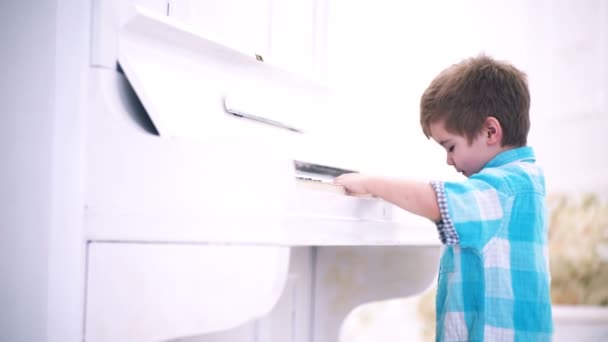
494 273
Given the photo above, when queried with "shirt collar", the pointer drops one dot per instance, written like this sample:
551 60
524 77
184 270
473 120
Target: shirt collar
524 153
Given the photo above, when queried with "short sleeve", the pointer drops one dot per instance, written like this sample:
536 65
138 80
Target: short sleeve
445 226
472 211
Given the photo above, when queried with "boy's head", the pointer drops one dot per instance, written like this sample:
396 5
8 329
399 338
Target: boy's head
483 104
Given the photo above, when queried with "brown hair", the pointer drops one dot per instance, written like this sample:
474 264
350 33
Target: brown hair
467 93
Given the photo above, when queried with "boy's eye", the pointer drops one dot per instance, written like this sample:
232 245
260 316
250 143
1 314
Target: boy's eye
451 149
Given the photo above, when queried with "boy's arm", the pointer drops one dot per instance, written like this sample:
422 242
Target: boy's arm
416 197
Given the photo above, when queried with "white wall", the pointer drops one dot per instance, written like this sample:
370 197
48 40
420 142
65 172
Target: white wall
569 83
44 52
28 39
392 50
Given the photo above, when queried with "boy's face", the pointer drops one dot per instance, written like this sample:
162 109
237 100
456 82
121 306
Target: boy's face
466 158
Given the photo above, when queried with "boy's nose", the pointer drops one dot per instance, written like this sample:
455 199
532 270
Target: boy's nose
450 161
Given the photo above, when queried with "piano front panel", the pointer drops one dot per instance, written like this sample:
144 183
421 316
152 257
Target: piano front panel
157 292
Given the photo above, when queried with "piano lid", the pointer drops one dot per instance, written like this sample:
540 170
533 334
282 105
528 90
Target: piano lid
194 87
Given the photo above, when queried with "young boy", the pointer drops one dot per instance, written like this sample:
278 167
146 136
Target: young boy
494 276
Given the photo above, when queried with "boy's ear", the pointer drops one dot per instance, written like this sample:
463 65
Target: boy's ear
492 130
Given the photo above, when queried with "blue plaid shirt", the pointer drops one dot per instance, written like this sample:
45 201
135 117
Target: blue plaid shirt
494 273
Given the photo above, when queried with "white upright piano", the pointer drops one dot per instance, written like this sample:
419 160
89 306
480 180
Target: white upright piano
207 211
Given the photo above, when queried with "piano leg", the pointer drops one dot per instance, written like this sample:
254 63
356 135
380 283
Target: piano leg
346 277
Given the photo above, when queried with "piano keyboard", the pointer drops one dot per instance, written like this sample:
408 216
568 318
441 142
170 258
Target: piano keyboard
323 185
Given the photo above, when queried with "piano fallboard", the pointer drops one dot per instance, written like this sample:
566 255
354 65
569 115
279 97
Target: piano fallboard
313 217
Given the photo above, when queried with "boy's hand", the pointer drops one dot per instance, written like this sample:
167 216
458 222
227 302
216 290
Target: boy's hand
414 196
353 183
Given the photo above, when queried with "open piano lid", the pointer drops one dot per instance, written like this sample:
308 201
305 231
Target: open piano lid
189 84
